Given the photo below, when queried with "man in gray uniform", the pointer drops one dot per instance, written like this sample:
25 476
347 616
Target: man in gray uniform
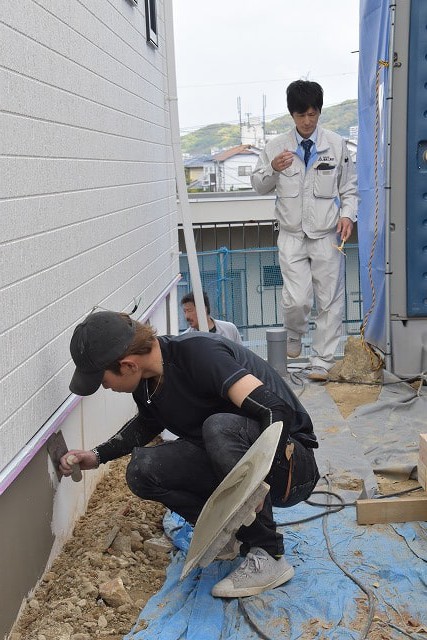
312 173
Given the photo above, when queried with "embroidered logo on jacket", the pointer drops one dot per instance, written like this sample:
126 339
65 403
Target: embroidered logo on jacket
326 159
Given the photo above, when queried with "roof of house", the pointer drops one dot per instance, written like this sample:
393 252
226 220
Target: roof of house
241 149
198 161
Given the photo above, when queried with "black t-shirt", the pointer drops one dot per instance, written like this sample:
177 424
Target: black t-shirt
199 369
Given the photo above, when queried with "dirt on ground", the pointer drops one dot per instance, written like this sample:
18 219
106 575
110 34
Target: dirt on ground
116 558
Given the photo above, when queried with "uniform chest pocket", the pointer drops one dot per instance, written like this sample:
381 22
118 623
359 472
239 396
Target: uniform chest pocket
326 183
289 183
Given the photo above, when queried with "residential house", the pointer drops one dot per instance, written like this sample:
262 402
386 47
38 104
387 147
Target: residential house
233 167
200 173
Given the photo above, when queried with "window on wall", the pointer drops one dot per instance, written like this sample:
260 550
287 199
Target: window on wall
151 22
244 170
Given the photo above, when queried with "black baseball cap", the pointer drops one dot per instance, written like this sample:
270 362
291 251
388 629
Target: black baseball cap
97 342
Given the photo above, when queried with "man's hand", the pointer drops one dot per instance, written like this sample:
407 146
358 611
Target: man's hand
85 459
282 161
344 228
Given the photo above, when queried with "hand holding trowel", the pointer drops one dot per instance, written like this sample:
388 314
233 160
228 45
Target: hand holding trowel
57 449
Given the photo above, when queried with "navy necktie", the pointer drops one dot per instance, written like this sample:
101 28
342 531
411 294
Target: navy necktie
306 145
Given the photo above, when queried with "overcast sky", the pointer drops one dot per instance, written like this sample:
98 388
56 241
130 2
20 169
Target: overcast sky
230 49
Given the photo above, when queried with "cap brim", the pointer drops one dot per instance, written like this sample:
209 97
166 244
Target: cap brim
84 384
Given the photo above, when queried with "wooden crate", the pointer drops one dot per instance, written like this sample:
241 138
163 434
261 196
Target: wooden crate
422 461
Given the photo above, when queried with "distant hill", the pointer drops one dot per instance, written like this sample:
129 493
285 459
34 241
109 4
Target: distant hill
338 118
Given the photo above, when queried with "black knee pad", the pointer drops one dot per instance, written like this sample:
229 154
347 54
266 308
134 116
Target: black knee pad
135 476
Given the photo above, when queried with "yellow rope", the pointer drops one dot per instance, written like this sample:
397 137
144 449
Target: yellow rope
377 361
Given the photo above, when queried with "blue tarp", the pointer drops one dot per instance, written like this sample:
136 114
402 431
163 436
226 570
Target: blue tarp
320 601
371 165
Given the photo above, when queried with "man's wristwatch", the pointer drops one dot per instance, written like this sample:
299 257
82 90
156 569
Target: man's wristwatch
98 457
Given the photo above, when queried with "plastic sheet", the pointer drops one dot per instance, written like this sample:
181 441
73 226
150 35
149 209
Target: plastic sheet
320 601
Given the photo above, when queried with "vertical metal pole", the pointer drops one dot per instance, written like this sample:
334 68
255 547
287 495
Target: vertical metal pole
388 355
276 349
222 259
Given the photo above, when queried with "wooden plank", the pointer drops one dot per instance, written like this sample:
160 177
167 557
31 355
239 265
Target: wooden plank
422 474
422 456
404 509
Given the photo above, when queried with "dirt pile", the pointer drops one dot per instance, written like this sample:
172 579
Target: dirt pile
105 573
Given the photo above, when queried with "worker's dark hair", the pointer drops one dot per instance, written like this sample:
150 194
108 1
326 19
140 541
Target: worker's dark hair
302 95
142 344
189 297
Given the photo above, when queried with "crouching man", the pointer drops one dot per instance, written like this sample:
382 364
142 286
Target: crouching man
217 397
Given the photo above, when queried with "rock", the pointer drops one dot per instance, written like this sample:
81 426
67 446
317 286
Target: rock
34 604
49 576
88 589
102 622
121 544
115 562
80 636
357 365
145 531
158 545
95 559
136 541
114 593
110 537
89 624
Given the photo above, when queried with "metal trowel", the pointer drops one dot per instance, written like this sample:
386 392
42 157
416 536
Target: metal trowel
56 448
234 501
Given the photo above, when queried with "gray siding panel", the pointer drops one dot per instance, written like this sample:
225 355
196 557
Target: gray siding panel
87 196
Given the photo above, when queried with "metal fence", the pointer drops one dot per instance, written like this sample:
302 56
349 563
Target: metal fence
244 284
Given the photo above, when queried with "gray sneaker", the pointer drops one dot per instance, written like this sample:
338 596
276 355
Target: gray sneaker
257 573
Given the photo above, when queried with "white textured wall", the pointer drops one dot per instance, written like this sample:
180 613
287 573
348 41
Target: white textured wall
87 188
231 177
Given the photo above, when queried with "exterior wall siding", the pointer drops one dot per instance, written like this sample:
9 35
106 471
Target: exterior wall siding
87 195
88 216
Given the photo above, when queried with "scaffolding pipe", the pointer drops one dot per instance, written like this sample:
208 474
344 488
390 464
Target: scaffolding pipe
184 205
387 274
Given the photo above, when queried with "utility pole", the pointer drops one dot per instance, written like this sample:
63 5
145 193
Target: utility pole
264 104
239 111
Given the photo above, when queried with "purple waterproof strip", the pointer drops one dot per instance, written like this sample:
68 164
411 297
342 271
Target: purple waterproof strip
27 453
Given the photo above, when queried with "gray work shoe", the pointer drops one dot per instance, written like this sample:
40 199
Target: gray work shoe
257 573
318 374
293 346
